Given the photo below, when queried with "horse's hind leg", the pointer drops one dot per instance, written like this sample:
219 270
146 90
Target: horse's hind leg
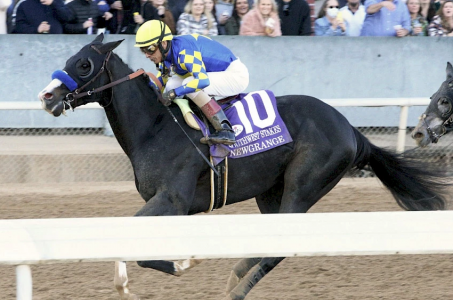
239 270
266 265
268 202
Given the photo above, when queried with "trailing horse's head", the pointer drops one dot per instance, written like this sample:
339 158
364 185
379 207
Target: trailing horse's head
73 86
437 119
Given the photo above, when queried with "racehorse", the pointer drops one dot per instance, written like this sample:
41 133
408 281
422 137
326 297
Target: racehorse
173 178
437 120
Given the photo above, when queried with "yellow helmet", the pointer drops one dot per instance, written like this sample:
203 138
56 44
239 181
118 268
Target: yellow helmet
152 32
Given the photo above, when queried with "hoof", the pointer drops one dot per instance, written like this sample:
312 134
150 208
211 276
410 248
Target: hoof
233 281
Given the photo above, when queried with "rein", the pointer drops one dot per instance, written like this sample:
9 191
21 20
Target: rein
72 97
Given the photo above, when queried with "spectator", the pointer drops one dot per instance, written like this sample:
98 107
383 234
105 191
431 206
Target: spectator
232 26
85 16
442 23
165 15
103 6
177 7
353 15
262 20
386 18
145 12
428 10
343 3
122 20
418 23
196 19
210 9
294 17
41 16
4 4
329 23
224 11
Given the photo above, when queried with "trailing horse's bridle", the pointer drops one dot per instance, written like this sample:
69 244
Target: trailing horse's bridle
433 136
71 98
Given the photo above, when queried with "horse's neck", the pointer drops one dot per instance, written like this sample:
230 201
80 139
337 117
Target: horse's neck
133 111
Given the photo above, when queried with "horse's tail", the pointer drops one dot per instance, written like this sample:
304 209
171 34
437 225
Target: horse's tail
414 184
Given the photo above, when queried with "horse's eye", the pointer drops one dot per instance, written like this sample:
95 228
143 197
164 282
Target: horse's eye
444 106
85 68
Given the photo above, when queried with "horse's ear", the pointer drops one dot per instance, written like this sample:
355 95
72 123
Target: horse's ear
108 46
99 38
449 70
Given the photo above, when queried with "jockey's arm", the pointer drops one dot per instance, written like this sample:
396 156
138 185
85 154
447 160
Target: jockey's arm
193 64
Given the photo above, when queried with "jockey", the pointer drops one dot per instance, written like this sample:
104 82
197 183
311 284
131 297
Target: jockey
197 67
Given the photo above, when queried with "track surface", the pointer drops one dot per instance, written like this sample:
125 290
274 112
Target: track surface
408 277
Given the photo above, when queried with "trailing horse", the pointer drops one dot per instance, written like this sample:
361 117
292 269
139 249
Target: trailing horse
173 178
437 120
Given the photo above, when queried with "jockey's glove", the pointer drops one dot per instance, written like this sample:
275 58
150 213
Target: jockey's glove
167 97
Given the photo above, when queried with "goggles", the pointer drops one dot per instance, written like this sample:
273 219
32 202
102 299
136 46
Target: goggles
149 50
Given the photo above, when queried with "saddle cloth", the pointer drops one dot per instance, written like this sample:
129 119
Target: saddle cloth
257 125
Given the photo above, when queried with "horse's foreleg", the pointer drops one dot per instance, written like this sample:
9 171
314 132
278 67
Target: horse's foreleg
239 270
122 282
250 280
170 267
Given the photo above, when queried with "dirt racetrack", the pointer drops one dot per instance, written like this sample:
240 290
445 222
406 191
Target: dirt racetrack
403 277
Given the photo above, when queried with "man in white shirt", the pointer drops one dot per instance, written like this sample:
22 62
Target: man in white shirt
353 14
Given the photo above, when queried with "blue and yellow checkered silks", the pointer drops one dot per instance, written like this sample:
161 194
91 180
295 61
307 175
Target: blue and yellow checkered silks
196 55
192 62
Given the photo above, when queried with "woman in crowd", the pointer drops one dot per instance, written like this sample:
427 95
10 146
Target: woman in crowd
232 26
428 10
418 23
442 23
329 21
165 14
196 19
210 9
262 20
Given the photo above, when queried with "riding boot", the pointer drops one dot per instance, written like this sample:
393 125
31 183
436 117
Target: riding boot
224 133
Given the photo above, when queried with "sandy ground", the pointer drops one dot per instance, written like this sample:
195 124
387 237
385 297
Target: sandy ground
411 277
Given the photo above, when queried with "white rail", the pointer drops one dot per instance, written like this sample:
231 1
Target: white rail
42 241
404 103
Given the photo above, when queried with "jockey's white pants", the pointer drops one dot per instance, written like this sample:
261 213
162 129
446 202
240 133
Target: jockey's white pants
232 81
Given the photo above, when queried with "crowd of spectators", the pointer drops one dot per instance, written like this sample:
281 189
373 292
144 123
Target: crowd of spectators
271 18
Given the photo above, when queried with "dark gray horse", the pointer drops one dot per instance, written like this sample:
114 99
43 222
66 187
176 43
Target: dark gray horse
173 178
438 117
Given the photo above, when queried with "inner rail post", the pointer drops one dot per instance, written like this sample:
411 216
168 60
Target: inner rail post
24 283
402 129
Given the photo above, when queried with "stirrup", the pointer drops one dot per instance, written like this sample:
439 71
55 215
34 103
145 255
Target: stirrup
224 136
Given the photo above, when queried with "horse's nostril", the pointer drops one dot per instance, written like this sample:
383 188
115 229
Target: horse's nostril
48 96
417 135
